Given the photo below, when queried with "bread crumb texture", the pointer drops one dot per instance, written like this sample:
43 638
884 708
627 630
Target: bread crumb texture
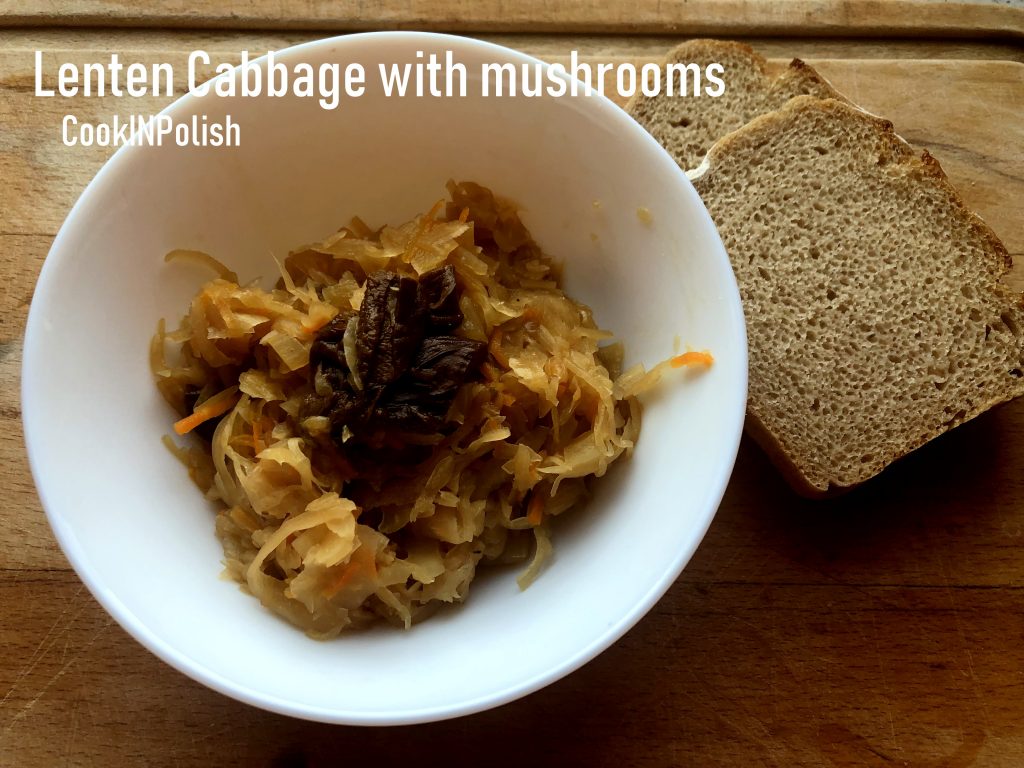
875 315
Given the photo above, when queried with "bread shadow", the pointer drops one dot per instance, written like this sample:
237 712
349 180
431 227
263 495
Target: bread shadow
937 516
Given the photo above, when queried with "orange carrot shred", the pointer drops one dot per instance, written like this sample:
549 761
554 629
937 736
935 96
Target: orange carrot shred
490 372
257 436
535 511
426 224
314 325
210 408
363 561
692 358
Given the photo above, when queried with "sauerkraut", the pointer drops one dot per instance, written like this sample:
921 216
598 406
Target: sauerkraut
406 404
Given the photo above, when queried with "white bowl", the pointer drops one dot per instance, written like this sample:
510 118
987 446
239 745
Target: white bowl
139 533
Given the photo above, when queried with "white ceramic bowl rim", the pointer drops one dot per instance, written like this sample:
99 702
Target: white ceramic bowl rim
34 369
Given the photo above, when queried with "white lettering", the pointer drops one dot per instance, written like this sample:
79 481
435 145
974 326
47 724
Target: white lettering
303 86
224 83
67 77
576 68
251 75
536 89
69 120
602 73
497 71
148 131
40 91
712 72
135 80
396 82
625 80
115 70
650 80
277 77
680 73
557 74
163 75
453 68
89 73
194 86
330 78
355 80
234 133
164 128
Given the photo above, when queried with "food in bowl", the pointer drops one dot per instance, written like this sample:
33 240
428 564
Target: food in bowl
406 404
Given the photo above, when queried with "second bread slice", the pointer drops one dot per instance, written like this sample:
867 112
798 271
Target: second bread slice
687 125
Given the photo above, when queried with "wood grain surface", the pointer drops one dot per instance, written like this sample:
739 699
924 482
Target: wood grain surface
883 628
843 18
537 44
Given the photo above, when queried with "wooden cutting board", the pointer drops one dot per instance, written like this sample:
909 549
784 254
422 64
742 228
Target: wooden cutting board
886 627
958 18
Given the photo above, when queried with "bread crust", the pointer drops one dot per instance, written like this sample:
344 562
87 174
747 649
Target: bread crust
659 114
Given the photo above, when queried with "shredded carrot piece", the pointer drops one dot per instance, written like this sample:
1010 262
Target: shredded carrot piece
464 215
426 224
692 358
313 324
210 408
490 372
361 562
535 511
257 436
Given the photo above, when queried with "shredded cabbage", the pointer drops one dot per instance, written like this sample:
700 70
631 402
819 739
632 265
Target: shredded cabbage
312 528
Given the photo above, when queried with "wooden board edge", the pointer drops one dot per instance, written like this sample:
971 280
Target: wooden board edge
832 18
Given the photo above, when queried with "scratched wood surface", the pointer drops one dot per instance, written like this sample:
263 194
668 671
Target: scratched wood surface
886 627
891 18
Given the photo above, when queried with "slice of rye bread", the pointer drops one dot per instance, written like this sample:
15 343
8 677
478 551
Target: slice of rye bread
688 125
875 315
